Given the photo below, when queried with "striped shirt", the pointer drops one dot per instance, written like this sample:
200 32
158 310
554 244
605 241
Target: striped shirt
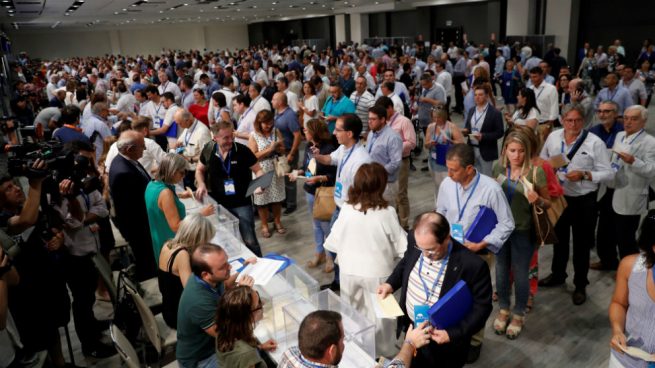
415 290
362 103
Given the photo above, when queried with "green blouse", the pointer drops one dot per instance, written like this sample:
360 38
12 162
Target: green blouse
515 193
160 232
242 355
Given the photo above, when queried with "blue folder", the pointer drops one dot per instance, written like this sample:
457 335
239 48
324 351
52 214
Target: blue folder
287 261
172 131
451 308
484 223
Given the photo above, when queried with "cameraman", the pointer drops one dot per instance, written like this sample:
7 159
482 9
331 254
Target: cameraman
36 253
81 206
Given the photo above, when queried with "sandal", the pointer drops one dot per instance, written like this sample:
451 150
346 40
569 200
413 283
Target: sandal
319 258
530 304
514 328
280 229
500 323
265 232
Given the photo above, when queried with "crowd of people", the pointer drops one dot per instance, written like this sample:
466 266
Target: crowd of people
568 149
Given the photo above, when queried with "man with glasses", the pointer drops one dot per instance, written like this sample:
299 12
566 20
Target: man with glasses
433 264
347 158
582 163
461 197
196 316
633 159
606 239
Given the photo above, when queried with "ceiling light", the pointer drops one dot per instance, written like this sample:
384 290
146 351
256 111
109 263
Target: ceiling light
274 2
185 4
124 9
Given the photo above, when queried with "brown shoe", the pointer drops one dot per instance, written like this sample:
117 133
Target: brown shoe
319 258
600 266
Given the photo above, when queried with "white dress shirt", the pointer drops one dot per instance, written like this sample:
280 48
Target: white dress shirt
152 156
126 103
169 86
632 180
547 101
487 193
169 118
446 80
193 139
292 100
592 156
259 104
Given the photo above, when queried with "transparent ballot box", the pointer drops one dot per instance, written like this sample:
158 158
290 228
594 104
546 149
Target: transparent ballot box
302 282
359 331
222 219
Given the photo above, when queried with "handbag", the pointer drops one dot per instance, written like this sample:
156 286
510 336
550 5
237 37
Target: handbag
324 205
544 228
557 207
281 166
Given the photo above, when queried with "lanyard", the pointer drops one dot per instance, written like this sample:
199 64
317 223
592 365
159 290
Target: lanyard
189 133
633 139
393 118
205 285
611 96
357 98
443 133
374 137
343 162
430 292
511 189
163 87
87 201
462 209
477 117
541 89
229 162
158 108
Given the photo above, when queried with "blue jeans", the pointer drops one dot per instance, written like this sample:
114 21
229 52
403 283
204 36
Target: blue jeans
246 218
335 215
514 256
321 228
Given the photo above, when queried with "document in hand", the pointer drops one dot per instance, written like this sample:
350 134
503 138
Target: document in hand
385 308
452 307
263 182
483 224
262 271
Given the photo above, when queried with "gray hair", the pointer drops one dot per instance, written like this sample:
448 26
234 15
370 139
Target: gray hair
97 107
642 111
610 102
195 229
169 165
127 140
570 108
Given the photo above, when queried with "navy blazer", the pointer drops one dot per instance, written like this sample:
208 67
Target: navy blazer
128 186
492 130
462 265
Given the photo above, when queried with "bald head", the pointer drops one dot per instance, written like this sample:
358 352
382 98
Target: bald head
131 144
183 118
279 101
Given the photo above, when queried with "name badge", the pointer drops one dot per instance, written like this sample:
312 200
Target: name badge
228 185
308 173
615 166
338 189
508 83
420 314
433 154
179 150
457 232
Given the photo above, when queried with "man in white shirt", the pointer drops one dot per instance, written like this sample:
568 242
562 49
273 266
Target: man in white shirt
547 102
257 102
167 86
633 159
362 72
399 88
461 196
292 98
96 127
347 158
386 90
446 80
260 73
363 100
308 71
168 127
588 166
152 155
190 142
126 102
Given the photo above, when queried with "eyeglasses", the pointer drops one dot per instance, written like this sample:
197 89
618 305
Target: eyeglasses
339 130
260 305
604 111
428 252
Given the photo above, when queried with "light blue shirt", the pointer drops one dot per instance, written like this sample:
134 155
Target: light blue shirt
487 193
620 95
386 148
347 168
338 108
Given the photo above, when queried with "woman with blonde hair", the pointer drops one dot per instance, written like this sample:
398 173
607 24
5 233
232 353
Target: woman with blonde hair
524 185
174 266
165 210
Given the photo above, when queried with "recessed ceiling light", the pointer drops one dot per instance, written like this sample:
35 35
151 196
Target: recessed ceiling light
272 9
274 2
185 4
124 9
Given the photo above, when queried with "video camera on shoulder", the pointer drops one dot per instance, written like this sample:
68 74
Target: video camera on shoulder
23 156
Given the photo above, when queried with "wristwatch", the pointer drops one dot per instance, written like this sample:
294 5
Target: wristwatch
586 175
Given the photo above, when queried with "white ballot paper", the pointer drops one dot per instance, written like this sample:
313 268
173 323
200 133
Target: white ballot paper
638 353
262 271
236 264
385 308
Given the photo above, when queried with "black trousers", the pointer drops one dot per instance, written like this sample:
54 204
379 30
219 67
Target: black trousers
580 218
606 235
144 257
82 279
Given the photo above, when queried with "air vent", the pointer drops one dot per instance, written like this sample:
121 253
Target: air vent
29 12
28 3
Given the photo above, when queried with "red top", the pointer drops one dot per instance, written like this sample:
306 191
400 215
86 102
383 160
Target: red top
554 187
200 112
